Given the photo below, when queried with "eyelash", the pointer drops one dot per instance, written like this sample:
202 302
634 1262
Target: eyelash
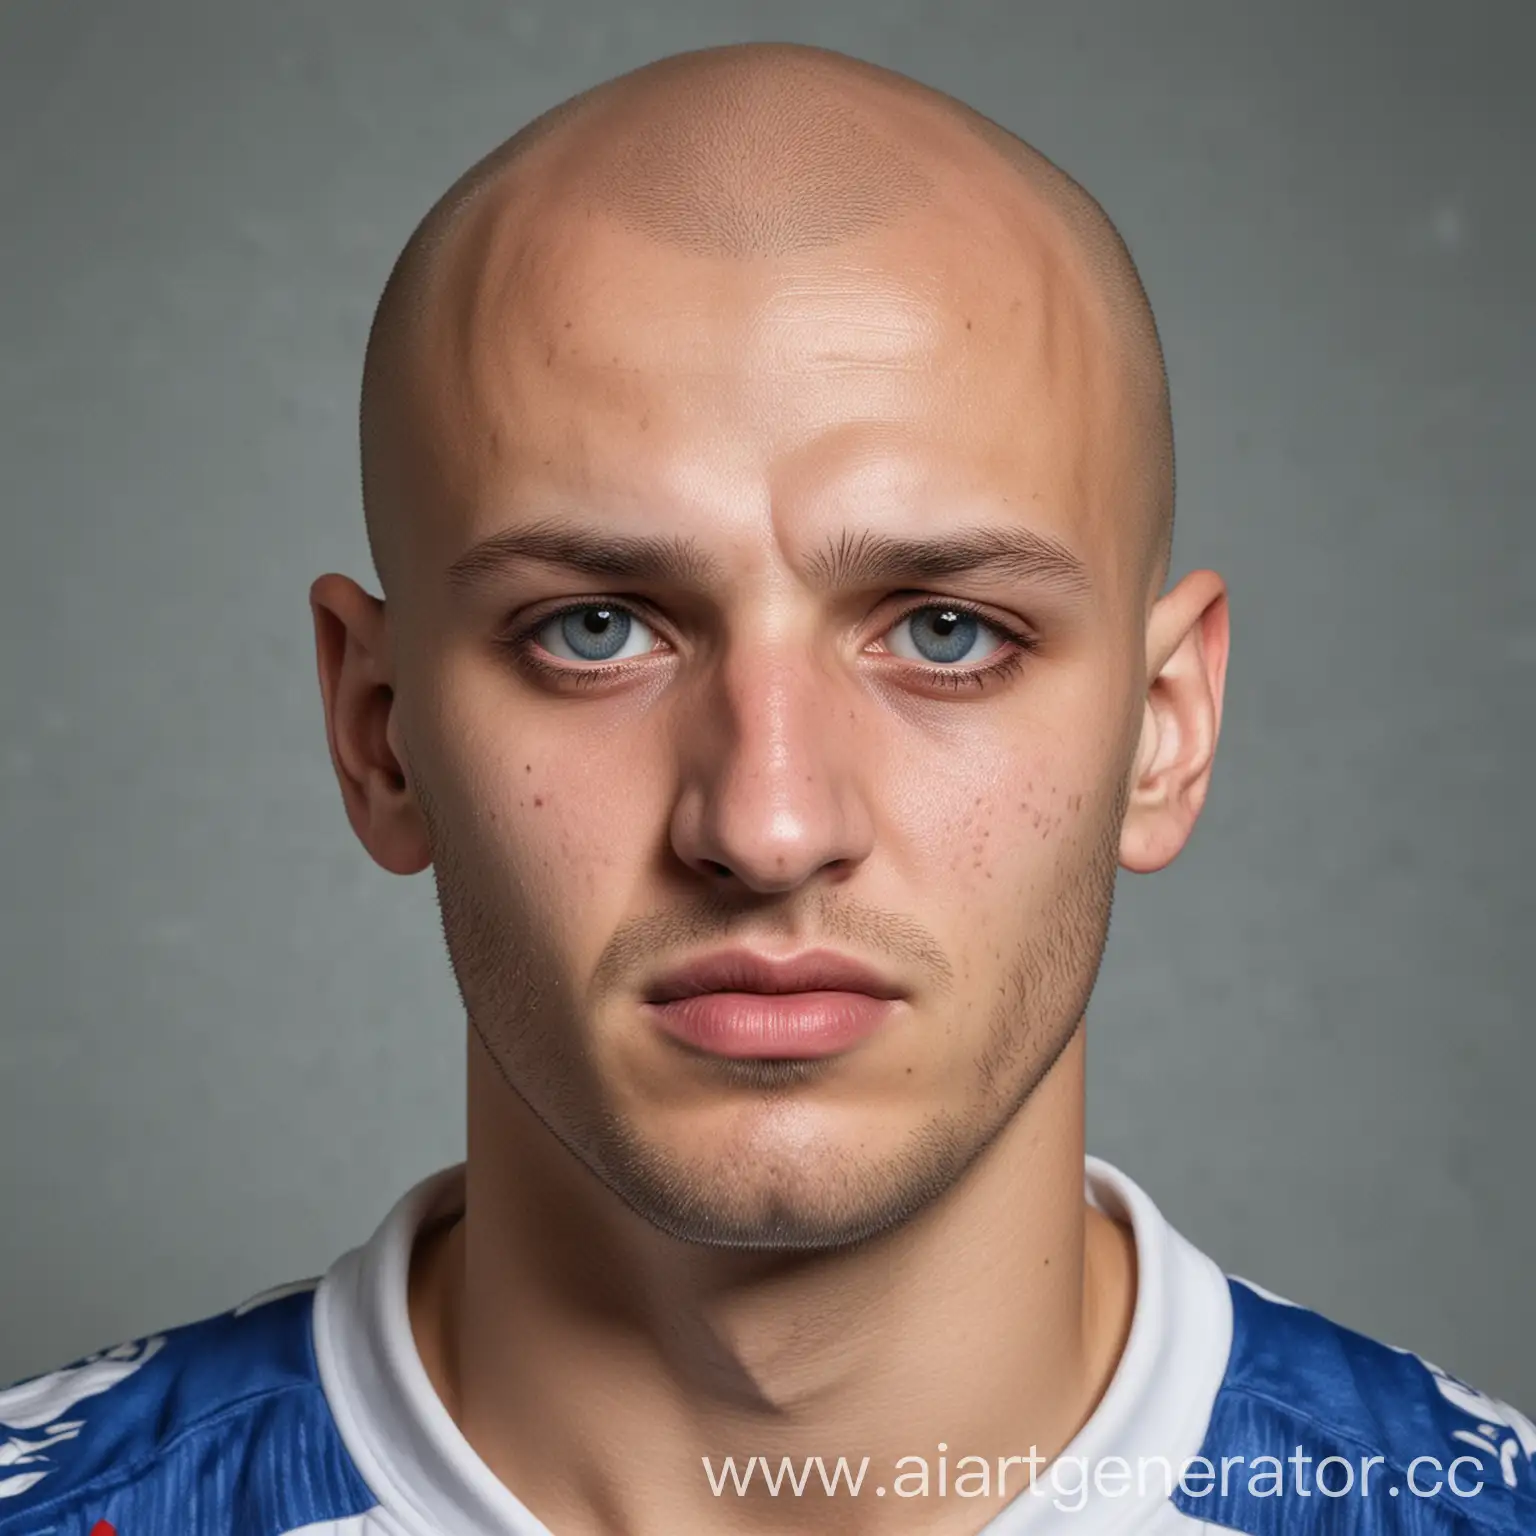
985 676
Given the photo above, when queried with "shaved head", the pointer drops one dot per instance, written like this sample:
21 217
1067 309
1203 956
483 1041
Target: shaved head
767 463
753 153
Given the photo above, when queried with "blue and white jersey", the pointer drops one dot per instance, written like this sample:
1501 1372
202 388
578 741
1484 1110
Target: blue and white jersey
306 1411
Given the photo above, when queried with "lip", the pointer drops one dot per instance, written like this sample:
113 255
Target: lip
772 1025
745 970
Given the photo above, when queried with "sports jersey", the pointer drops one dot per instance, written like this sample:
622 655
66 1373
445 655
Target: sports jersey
306 1411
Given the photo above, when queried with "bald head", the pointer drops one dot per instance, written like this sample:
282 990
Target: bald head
758 152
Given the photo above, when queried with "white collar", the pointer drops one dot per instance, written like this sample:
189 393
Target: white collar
429 1479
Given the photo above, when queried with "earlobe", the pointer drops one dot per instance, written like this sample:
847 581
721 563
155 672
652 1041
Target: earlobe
358 698
1187 642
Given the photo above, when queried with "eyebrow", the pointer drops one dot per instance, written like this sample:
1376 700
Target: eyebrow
853 559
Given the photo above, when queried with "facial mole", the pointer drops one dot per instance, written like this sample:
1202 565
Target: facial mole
538 800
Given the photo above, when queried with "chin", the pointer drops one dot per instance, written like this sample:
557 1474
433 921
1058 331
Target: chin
782 1176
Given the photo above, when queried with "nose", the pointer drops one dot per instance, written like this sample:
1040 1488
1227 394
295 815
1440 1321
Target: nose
773 786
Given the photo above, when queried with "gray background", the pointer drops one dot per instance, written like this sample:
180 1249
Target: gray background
229 1041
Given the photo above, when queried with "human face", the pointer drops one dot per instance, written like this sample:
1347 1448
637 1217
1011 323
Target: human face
619 773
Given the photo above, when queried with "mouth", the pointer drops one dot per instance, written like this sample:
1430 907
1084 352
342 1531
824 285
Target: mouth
772 1025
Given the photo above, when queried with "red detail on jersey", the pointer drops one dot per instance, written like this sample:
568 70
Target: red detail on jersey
103 1528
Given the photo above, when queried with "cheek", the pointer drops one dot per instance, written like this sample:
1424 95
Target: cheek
1029 826
552 829
582 848
1016 842
995 811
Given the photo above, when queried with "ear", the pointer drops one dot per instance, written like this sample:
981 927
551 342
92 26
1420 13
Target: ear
352 650
1188 634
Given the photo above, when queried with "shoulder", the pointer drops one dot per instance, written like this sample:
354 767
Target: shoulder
218 1426
1311 1415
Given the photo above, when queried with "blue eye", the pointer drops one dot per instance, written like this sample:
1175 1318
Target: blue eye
603 633
595 632
941 633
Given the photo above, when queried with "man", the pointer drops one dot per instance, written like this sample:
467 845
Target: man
768 469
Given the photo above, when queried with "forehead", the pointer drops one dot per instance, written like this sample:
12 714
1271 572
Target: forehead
931 361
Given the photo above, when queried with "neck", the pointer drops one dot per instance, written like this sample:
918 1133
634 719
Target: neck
595 1364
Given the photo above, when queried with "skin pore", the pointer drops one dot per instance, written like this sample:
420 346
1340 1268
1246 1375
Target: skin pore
775 314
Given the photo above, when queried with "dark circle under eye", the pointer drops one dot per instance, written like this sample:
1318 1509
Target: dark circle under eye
596 633
950 633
